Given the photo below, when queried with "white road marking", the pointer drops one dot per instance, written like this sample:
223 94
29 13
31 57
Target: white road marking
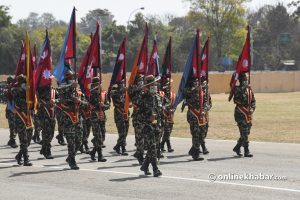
171 177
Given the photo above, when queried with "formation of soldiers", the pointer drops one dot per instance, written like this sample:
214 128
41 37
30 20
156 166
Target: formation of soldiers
152 118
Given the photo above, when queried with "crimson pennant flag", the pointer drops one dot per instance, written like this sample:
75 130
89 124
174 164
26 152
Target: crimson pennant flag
119 72
42 73
68 51
143 54
167 63
20 69
244 62
153 66
91 60
204 59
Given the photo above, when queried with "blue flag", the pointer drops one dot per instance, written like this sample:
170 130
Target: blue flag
185 76
68 51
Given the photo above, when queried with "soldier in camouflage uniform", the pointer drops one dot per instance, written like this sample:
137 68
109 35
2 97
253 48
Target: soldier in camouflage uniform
86 128
97 114
191 94
135 92
207 104
45 113
70 103
23 121
58 115
168 115
149 107
37 128
105 101
245 106
160 119
121 117
9 114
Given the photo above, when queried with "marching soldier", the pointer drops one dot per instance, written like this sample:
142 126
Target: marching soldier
9 113
37 128
149 107
97 115
69 104
121 117
58 115
86 115
135 92
46 118
105 101
168 116
245 106
23 120
191 94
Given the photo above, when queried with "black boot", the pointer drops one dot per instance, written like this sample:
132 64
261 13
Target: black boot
169 146
87 149
246 151
61 140
162 146
139 157
100 156
19 158
72 163
237 149
196 154
117 149
81 149
156 171
12 143
145 167
124 153
92 154
26 158
36 139
47 153
204 149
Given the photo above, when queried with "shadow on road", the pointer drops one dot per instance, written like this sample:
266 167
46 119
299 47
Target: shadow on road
36 172
223 158
129 178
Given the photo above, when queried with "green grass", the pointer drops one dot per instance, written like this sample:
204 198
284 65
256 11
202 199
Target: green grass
276 119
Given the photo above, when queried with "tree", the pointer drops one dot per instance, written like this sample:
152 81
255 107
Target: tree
4 17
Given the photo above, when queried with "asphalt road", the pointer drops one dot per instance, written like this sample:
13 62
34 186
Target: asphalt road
120 177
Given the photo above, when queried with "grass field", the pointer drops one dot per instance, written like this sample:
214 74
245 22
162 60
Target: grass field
277 119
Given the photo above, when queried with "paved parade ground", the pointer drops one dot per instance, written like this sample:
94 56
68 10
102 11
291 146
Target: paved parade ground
120 177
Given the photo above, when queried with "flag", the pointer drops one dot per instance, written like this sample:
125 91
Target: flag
119 72
20 69
42 73
68 51
204 59
33 52
90 61
244 62
167 63
191 69
30 94
153 66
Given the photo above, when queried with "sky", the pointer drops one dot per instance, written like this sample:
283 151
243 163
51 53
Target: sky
121 9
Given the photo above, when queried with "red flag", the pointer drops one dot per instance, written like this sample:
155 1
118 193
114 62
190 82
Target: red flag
71 43
167 63
204 59
20 69
30 94
91 60
42 74
143 54
196 58
153 67
244 62
33 52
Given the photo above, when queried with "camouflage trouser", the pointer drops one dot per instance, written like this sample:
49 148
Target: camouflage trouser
122 126
11 124
86 125
196 130
58 115
24 135
103 129
167 131
204 130
244 128
48 125
149 132
139 137
37 122
97 139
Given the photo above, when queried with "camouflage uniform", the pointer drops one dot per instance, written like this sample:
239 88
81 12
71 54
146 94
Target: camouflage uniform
45 114
149 107
58 116
9 114
106 103
97 115
162 101
245 106
23 121
86 126
37 127
69 104
121 119
196 126
135 92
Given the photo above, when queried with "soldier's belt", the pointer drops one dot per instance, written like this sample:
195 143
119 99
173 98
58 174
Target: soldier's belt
26 118
246 112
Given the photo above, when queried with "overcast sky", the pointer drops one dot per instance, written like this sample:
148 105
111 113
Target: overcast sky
121 9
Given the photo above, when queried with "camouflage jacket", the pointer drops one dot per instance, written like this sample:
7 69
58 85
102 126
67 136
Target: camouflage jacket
192 98
244 97
19 97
